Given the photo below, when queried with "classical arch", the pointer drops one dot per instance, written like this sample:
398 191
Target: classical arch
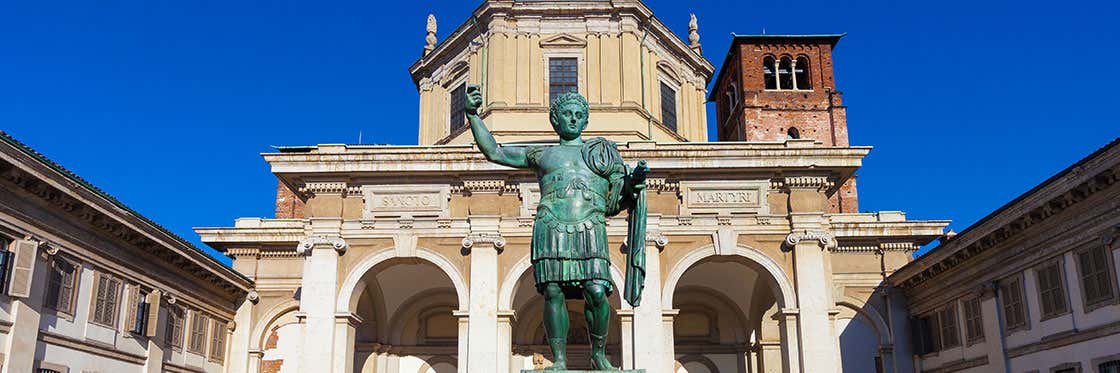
508 286
868 313
260 329
348 297
780 283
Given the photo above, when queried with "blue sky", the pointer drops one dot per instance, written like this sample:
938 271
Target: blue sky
168 104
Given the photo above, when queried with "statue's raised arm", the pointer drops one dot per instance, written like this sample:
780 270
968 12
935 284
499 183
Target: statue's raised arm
509 156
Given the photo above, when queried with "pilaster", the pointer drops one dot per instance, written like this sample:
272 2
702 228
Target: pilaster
345 333
319 290
652 343
809 241
484 243
239 355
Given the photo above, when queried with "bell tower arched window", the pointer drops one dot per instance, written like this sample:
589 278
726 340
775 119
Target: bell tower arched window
793 133
802 79
785 73
769 69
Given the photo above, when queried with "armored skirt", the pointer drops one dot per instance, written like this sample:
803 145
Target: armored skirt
570 254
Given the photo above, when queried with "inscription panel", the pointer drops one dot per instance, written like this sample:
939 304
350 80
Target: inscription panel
406 200
724 197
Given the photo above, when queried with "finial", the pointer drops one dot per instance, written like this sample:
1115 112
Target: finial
693 35
431 38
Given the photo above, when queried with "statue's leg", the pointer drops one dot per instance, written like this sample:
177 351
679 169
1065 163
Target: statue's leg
598 312
556 325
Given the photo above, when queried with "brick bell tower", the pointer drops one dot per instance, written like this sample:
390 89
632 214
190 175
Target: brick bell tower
777 87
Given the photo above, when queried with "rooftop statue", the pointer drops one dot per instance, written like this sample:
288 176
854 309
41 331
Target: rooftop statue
583 182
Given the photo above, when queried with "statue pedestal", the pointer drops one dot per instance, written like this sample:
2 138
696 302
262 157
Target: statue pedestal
582 371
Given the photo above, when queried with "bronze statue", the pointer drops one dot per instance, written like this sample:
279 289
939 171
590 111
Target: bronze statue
582 183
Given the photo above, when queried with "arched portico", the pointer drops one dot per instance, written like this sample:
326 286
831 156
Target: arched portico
731 305
399 312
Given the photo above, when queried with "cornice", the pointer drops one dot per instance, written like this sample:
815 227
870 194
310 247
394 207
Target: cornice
114 222
1061 193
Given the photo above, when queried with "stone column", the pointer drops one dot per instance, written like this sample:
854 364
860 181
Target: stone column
19 353
484 242
626 336
238 360
652 334
255 357
345 333
464 334
809 242
791 343
505 341
319 293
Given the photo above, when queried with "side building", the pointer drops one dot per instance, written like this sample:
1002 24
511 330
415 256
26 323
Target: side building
1029 288
89 285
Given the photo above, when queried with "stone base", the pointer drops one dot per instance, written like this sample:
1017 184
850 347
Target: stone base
582 371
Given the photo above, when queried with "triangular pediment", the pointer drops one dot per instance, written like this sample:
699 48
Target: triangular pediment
563 41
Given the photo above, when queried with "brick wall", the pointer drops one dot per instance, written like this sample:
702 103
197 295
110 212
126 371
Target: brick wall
288 205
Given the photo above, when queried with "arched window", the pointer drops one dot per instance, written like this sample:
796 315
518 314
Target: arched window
785 73
801 74
768 72
793 133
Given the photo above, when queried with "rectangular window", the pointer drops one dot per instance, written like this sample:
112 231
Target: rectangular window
1096 276
217 341
973 320
197 343
1014 310
60 288
5 263
458 116
563 76
1051 291
668 106
1109 366
947 320
175 327
106 300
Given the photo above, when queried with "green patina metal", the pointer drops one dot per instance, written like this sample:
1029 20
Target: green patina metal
582 184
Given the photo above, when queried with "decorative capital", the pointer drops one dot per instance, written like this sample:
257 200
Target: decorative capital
491 238
824 238
253 296
658 239
309 243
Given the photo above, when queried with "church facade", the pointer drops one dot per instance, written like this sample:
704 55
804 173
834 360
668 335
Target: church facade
416 258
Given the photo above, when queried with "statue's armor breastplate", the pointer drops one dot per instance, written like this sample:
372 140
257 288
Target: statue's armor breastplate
570 191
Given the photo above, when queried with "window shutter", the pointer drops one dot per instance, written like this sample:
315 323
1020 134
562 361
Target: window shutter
153 314
23 268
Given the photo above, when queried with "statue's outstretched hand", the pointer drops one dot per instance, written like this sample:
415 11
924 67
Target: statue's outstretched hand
474 99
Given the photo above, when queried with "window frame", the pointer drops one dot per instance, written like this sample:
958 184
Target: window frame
75 282
1022 301
216 351
806 71
969 337
197 318
548 57
952 325
665 84
176 320
1092 305
115 306
770 62
1062 288
6 255
461 110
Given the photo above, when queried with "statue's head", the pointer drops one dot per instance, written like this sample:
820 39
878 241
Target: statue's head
568 115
